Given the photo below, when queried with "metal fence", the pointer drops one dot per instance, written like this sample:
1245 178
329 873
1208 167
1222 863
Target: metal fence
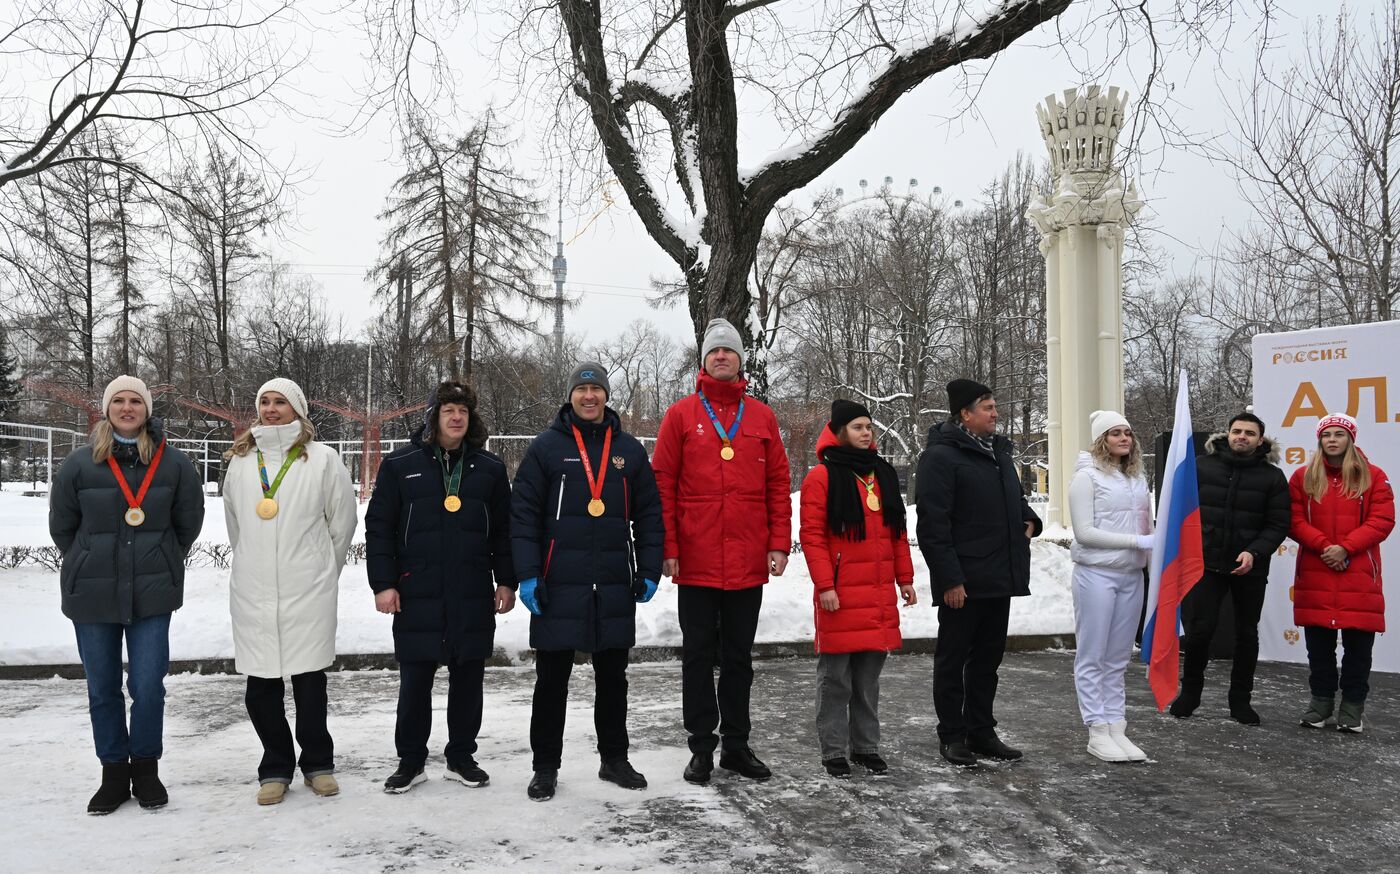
39 449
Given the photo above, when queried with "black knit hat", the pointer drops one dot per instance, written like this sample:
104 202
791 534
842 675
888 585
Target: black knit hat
963 393
843 412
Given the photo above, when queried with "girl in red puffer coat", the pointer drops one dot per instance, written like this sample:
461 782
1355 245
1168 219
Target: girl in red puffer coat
1343 508
854 539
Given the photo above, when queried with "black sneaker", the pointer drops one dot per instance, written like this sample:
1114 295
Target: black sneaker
837 767
699 768
744 763
871 762
990 745
621 772
542 786
958 754
404 779
468 773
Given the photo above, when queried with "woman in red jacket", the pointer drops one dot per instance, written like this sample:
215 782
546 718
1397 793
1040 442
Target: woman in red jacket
853 536
1343 508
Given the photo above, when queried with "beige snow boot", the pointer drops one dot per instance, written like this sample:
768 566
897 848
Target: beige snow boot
271 793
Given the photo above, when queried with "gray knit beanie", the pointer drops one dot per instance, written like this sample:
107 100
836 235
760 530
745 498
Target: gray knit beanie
588 373
720 332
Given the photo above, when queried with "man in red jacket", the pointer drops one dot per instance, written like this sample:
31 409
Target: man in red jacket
726 497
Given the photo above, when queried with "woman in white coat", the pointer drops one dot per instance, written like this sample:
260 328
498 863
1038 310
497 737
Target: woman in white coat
291 512
1111 511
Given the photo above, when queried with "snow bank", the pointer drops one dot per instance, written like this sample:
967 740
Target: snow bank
35 631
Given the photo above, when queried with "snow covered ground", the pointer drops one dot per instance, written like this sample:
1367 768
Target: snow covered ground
1217 796
33 631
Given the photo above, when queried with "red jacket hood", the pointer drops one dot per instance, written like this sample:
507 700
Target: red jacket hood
826 440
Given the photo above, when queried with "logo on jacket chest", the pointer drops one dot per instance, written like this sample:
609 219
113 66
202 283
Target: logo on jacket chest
618 461
700 429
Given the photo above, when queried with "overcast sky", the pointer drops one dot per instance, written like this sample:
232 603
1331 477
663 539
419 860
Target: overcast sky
611 260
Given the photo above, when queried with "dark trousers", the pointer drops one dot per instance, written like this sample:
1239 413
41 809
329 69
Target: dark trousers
717 628
551 703
415 718
1322 662
269 716
971 642
1247 593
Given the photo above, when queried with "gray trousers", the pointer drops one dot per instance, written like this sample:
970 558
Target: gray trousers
848 702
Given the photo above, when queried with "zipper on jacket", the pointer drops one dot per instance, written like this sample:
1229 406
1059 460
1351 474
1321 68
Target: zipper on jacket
487 514
547 556
836 574
408 525
559 507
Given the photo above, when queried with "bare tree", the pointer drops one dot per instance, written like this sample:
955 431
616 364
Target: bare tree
1318 139
224 208
166 73
466 227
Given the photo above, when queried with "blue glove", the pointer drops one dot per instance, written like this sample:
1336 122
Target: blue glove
531 595
643 592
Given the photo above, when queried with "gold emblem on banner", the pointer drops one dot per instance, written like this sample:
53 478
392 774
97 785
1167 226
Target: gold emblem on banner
1291 635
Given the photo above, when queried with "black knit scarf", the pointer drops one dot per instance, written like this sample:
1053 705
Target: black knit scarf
845 497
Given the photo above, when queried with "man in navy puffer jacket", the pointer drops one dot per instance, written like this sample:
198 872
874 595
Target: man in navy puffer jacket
587 538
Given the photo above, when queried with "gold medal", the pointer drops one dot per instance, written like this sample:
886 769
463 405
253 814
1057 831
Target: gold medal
595 507
872 501
135 517
452 503
727 453
267 508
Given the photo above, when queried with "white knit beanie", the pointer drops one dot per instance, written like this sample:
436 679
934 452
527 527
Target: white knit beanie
1103 421
126 383
287 389
719 332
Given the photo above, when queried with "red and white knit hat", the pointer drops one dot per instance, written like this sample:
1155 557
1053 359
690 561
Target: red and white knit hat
1338 420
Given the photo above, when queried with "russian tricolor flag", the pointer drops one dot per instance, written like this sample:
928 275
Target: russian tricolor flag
1176 563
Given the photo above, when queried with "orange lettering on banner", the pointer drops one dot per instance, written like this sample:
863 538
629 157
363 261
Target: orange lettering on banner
1377 386
1305 403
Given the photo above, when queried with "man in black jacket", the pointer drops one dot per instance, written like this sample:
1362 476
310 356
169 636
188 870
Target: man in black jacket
437 546
1244 517
974 531
587 536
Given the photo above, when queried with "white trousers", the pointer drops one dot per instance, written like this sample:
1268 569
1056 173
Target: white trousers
1107 607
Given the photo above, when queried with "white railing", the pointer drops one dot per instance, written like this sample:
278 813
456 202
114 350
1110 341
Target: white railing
48 445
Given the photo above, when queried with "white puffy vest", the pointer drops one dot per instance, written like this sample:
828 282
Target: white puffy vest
1121 504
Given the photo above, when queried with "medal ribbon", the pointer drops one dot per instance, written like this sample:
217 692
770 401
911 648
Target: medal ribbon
595 487
869 486
134 501
453 481
726 437
271 491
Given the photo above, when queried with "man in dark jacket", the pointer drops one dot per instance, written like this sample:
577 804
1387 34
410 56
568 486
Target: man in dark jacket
1244 517
974 531
587 535
437 546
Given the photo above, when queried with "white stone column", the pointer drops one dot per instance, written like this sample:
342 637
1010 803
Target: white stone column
1082 227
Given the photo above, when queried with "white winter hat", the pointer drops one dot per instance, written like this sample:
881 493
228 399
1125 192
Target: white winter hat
287 389
1103 421
719 332
125 383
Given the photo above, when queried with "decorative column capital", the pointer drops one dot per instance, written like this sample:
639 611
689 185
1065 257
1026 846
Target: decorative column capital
1081 134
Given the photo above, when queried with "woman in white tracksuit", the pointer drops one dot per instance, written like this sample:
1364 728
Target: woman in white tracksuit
1111 511
291 513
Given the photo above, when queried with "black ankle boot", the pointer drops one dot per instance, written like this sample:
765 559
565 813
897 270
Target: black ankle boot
115 788
1240 710
1187 700
146 785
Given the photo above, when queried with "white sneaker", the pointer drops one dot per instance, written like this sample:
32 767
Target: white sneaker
1118 732
1101 745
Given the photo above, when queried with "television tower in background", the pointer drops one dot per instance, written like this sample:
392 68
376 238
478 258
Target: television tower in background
561 272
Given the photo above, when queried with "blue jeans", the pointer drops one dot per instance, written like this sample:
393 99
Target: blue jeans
148 652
